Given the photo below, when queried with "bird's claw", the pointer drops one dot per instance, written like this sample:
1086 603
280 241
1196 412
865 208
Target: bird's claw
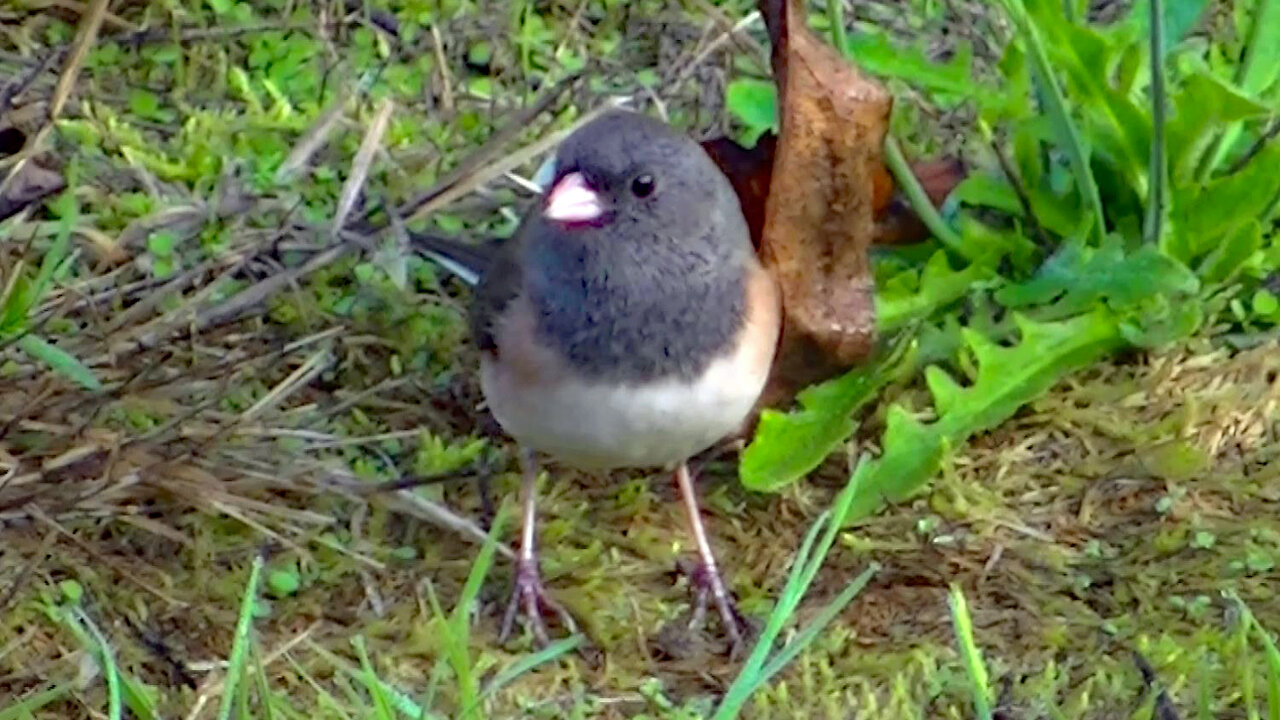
528 595
707 585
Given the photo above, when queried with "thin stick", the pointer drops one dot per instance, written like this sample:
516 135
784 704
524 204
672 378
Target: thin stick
486 152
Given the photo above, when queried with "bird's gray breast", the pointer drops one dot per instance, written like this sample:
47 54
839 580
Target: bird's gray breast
635 317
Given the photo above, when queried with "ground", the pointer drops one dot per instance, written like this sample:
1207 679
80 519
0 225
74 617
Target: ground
1105 519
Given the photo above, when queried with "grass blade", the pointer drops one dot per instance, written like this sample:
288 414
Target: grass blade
819 623
1270 652
458 633
382 706
27 706
551 652
263 687
240 645
977 671
835 17
57 252
75 620
91 636
62 362
399 699
807 563
743 685
1059 115
1159 170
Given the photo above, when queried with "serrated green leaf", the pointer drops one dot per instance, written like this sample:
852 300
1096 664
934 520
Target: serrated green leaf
1015 78
1058 114
984 350
912 455
1162 322
1257 72
938 287
787 446
1077 276
1111 124
945 390
60 361
1007 378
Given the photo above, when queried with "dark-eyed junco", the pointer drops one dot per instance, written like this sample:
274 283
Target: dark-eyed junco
627 323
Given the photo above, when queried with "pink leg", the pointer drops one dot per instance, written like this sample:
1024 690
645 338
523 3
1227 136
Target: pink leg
528 593
707 579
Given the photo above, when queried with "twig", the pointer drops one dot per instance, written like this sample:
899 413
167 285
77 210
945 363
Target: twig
1270 134
20 580
469 183
311 141
360 166
734 33
484 154
418 506
1164 709
314 365
109 19
446 92
101 559
19 85
1019 189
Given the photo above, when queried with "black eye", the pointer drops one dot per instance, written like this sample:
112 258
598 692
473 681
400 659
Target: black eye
642 186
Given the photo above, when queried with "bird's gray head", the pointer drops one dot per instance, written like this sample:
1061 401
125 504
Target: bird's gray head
626 177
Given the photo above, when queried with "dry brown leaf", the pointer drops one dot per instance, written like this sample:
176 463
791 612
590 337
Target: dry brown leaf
750 171
819 216
29 181
28 184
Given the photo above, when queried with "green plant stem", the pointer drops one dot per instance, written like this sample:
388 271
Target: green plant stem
1068 134
919 199
835 16
1158 172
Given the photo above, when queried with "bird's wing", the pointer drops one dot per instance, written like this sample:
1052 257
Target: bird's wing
501 282
469 261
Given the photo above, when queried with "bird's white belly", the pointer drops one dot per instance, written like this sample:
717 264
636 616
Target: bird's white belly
595 425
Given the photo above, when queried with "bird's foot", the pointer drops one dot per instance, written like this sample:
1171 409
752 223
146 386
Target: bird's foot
530 599
707 585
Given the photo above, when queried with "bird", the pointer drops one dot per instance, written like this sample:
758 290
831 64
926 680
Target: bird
627 323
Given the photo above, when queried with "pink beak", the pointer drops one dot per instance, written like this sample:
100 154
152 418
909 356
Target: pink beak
573 200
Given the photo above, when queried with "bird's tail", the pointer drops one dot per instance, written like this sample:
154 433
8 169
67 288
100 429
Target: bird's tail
466 260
